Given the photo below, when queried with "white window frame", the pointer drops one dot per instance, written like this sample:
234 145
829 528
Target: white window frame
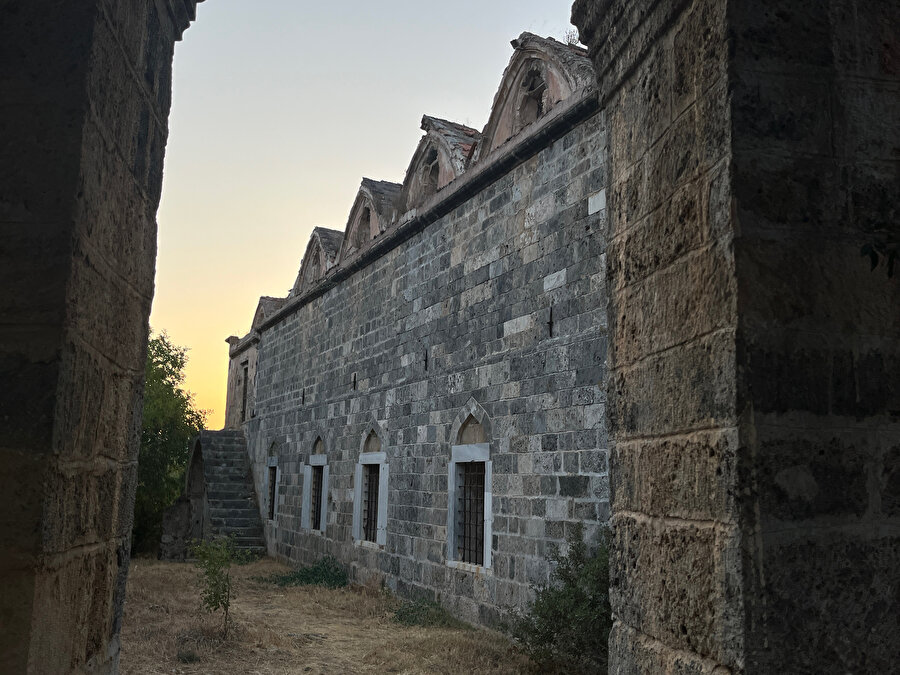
379 458
314 460
272 462
461 454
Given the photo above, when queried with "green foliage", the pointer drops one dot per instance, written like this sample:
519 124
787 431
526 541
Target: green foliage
428 613
214 558
326 572
169 422
567 627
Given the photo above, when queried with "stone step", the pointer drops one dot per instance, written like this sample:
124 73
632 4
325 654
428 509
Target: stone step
229 504
230 492
226 515
225 470
229 524
240 533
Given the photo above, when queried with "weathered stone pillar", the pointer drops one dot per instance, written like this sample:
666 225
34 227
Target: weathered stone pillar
83 124
755 360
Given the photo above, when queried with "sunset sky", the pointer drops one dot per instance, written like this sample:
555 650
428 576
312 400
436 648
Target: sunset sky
279 109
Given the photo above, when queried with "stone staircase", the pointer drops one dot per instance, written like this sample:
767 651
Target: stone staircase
230 494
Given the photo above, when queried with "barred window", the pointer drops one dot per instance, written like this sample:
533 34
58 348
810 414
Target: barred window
370 501
273 486
318 473
370 493
470 508
470 512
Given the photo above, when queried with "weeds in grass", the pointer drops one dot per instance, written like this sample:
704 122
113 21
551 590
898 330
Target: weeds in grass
426 613
327 572
214 558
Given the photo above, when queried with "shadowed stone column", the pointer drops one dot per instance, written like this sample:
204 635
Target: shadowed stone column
755 363
83 124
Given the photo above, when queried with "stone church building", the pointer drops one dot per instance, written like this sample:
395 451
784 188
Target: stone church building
655 261
428 402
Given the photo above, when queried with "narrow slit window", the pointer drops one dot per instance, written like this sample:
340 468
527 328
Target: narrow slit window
370 501
470 512
244 394
273 488
316 497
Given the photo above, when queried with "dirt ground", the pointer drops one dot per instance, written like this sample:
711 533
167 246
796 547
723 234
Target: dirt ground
289 630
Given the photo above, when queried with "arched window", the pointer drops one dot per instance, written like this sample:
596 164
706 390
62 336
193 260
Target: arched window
370 493
469 495
431 170
363 228
531 105
312 269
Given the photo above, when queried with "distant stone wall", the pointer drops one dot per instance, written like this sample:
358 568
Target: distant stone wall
506 295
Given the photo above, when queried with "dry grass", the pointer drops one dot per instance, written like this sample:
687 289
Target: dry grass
289 630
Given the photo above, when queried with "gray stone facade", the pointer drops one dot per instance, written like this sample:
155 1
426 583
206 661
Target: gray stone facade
492 305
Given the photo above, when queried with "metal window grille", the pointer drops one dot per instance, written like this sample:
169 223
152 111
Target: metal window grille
316 497
273 475
470 512
370 501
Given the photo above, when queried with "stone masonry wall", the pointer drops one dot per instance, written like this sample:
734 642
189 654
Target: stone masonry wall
754 356
475 290
83 128
816 155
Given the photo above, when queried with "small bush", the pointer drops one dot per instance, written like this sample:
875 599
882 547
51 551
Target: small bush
188 656
567 627
423 612
214 558
326 572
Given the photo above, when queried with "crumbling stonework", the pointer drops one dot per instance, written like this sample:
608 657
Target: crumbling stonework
754 357
476 288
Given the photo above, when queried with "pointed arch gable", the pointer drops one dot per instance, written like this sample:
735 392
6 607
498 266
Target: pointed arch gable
442 155
266 307
541 74
320 256
373 212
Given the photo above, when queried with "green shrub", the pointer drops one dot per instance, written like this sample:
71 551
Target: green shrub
214 558
423 612
567 626
326 572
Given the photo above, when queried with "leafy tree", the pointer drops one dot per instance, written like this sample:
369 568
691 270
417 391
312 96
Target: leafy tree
170 420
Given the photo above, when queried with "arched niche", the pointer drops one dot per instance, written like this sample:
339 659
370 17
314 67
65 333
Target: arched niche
471 421
374 438
471 432
541 74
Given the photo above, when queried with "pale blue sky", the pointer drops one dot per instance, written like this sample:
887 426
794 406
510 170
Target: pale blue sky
279 109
